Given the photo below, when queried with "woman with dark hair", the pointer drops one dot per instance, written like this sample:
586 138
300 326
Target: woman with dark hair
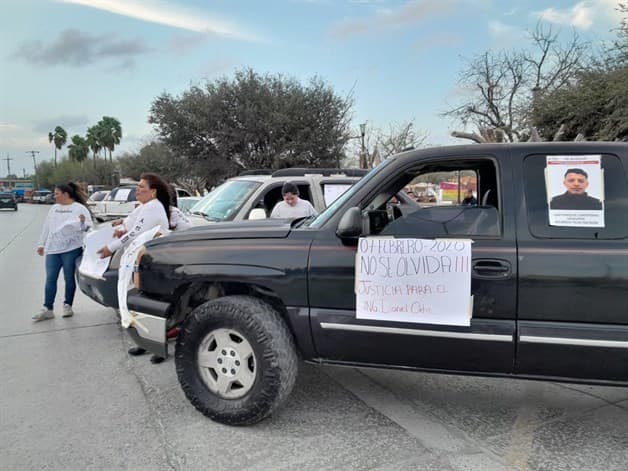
153 194
62 241
178 220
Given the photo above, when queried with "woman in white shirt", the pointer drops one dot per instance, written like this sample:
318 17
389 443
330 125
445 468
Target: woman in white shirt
154 209
178 222
61 241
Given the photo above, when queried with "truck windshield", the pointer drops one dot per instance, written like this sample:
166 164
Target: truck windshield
224 202
323 217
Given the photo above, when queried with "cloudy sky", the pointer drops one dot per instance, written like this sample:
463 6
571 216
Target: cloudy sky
70 62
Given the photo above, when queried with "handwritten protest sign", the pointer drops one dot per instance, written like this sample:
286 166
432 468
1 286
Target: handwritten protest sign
414 280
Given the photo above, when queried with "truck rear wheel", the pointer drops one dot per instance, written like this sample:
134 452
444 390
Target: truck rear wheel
236 360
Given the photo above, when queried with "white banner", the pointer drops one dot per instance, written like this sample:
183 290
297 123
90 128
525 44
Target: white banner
125 274
414 280
91 264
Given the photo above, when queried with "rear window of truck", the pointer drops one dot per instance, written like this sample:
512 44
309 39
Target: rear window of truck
613 195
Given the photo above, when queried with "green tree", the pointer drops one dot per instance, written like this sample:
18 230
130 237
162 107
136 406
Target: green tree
154 157
98 173
109 132
254 121
594 105
158 158
93 141
59 136
45 174
79 149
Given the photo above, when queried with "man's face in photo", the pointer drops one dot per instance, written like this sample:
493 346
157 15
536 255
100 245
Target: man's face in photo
576 183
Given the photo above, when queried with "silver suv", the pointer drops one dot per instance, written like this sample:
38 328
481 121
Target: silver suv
253 194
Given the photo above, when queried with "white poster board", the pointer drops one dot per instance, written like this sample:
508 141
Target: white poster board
414 280
122 194
332 191
575 190
91 264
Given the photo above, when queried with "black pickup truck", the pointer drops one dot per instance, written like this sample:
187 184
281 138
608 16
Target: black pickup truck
548 279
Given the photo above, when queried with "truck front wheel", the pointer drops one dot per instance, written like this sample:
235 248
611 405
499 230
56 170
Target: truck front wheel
236 359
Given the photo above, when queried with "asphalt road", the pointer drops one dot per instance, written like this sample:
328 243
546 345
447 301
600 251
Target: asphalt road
72 399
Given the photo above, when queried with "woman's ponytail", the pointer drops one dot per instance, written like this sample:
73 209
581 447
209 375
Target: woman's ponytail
74 191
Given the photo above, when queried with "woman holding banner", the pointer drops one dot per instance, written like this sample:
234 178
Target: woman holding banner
154 196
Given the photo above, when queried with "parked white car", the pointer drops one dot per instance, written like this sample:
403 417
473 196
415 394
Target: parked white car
40 196
95 197
120 202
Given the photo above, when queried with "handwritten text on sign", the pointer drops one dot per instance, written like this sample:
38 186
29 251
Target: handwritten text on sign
414 280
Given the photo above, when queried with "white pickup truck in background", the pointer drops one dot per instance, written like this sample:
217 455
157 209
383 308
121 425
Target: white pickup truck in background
120 202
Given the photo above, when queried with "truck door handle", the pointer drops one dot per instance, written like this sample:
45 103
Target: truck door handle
491 268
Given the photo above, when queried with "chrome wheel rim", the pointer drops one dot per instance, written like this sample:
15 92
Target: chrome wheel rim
227 363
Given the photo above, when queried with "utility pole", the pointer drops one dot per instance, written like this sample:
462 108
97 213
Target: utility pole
8 159
33 152
363 160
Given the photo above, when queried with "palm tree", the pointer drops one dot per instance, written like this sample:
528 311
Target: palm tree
79 149
59 137
93 140
110 133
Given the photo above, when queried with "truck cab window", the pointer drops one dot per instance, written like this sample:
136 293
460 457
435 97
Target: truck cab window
446 199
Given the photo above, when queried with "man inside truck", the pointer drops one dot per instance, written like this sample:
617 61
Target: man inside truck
292 206
576 182
469 199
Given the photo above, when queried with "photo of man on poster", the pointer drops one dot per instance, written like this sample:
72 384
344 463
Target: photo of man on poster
575 190
576 182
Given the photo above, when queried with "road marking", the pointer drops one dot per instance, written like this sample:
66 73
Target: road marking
450 445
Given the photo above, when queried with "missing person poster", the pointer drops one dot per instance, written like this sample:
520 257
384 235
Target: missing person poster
575 190
414 280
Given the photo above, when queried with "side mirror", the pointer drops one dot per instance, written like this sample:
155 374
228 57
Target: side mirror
350 225
257 213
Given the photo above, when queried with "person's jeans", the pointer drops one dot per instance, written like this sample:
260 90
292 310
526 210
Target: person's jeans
54 263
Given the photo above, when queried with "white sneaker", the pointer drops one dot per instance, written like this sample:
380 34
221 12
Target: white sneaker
67 311
42 315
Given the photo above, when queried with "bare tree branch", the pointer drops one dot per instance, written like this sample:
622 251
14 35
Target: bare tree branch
559 133
534 136
506 84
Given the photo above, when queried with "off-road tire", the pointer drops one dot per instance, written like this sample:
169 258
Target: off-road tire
275 358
